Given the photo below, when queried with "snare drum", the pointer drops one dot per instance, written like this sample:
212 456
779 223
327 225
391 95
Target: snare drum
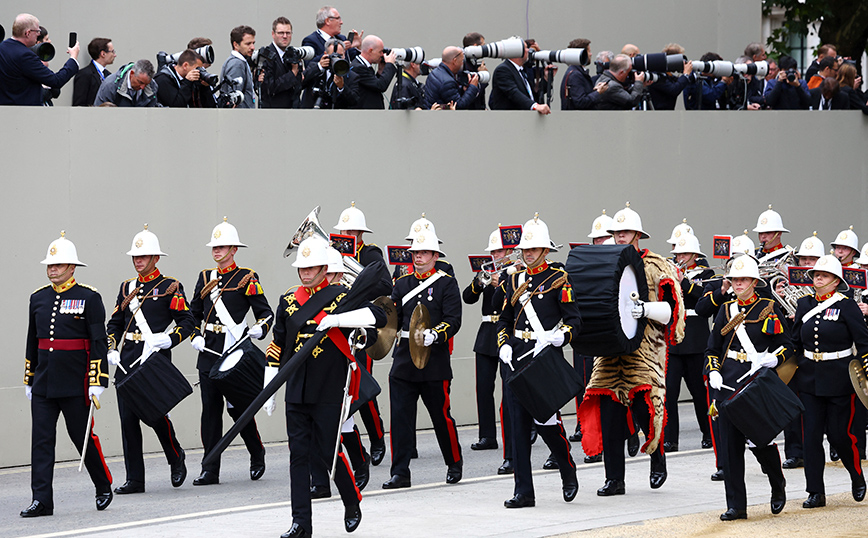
154 388
239 375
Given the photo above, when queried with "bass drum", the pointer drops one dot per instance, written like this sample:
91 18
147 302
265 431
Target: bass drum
240 374
603 278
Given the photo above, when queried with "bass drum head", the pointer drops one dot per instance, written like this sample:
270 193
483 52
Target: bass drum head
231 360
628 286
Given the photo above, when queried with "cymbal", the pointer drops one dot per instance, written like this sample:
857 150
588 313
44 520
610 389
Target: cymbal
787 369
859 380
419 322
385 335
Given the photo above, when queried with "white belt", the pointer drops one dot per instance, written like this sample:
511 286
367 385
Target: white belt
134 337
740 356
690 312
491 319
216 328
828 356
405 334
525 335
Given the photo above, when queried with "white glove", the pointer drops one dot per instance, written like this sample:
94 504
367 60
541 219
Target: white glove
95 390
506 354
268 406
556 338
161 341
768 360
256 331
429 336
328 322
198 343
270 374
362 317
28 391
715 380
638 311
114 357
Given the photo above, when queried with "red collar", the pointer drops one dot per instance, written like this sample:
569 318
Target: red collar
851 264
643 252
691 267
426 274
321 285
359 246
821 298
538 269
750 300
229 269
65 286
151 276
772 249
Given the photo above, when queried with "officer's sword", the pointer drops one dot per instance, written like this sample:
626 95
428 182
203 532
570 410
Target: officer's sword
345 414
94 404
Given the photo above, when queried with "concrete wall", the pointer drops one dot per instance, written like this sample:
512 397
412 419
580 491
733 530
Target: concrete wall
101 173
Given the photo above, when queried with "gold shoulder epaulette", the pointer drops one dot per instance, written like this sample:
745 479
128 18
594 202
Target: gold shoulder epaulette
41 288
88 286
408 274
291 290
372 244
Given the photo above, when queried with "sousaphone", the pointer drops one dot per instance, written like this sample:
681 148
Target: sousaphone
385 335
419 322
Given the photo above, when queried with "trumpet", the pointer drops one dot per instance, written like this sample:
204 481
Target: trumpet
511 263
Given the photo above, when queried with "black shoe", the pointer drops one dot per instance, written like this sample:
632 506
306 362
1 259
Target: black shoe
179 470
717 476
363 474
130 486
633 444
206 479
779 500
257 466
858 489
533 435
793 463
352 517
397 482
551 463
414 454
833 454
505 467
320 492
670 447
570 488
594 459
733 514
37 509
296 531
484 443
103 500
706 443
454 472
658 478
612 487
378 452
577 436
519 501
814 500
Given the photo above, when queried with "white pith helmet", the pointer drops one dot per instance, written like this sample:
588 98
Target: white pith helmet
426 239
145 243
312 252
812 246
62 251
742 245
600 226
863 257
225 235
770 221
352 218
535 234
419 225
688 243
495 241
627 220
745 266
830 264
847 238
678 231
336 261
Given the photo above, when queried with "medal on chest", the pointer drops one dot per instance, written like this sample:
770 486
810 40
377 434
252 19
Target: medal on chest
831 314
72 306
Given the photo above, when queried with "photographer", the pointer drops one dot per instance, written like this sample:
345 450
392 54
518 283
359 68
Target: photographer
601 63
665 91
281 82
132 86
578 92
622 94
474 65
177 81
442 86
705 93
369 82
236 76
789 91
745 91
410 94
323 88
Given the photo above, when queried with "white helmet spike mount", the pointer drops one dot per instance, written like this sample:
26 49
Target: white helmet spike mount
62 251
351 219
145 243
224 235
419 225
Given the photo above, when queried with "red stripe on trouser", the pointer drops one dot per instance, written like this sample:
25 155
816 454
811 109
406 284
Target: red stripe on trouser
857 463
563 435
502 430
378 422
171 435
450 424
346 465
96 444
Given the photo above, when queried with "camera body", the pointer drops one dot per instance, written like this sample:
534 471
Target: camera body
210 78
791 75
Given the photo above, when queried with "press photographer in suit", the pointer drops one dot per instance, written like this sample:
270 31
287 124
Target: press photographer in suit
370 82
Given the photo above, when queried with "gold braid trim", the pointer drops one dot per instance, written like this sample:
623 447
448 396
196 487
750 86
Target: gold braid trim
767 311
518 292
206 289
126 302
733 323
740 317
243 283
557 284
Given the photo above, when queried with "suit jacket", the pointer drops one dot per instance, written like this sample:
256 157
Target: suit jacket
22 74
233 69
370 86
317 41
280 88
313 77
577 90
85 85
508 89
840 101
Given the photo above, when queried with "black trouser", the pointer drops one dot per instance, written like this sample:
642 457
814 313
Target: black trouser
793 436
732 454
486 374
615 430
403 396
352 443
834 416
714 424
211 424
505 427
44 413
131 432
370 411
584 365
689 368
554 436
312 432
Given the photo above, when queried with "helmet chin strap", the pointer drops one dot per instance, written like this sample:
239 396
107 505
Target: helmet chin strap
825 289
65 275
747 291
318 277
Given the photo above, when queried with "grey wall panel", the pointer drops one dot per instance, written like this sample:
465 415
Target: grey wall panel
100 174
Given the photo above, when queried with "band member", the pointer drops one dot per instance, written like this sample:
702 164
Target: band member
679 232
220 302
315 392
352 222
64 367
827 326
686 359
439 294
484 287
538 311
140 325
747 335
847 248
769 229
417 226
635 383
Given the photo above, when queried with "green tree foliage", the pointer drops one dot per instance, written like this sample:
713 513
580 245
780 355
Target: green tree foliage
843 23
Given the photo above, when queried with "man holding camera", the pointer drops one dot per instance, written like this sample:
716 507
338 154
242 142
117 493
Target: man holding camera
176 81
132 86
236 75
442 84
578 91
324 88
789 91
22 74
281 82
369 82
87 81
410 94
621 93
510 88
